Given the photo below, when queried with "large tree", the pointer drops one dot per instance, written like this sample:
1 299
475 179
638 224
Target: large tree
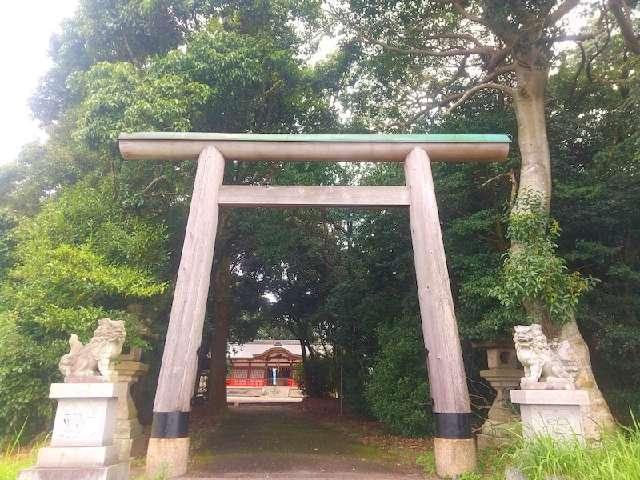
235 71
111 31
438 54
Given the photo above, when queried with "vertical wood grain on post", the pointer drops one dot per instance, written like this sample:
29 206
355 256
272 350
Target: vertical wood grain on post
168 447
447 378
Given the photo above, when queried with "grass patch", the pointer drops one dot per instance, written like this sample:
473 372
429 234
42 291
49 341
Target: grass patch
427 462
616 457
491 465
14 458
11 464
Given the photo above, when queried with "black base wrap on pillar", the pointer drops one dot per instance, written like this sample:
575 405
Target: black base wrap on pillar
453 425
170 425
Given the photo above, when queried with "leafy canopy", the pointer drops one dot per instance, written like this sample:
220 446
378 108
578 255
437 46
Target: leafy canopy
81 258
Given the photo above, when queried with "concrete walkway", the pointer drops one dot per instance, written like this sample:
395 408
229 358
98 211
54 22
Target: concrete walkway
281 443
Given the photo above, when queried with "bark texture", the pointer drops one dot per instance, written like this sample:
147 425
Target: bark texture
535 170
622 14
596 417
535 178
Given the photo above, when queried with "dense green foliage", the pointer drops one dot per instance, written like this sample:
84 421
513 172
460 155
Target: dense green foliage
534 273
597 192
317 377
82 257
392 391
84 234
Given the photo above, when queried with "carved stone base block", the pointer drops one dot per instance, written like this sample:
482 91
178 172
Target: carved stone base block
167 457
86 414
554 413
82 439
454 456
119 471
548 384
58 457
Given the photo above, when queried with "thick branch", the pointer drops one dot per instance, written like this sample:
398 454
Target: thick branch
580 37
561 11
502 31
581 67
457 4
455 36
510 67
153 182
459 98
473 90
432 53
497 58
621 12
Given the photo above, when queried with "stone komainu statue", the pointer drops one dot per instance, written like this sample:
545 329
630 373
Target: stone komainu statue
91 361
543 361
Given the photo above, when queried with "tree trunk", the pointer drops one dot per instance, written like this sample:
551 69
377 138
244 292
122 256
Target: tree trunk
535 170
535 178
596 417
218 343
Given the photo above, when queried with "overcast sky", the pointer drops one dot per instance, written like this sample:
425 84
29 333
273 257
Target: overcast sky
24 43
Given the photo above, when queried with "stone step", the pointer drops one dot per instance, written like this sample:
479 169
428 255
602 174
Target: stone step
274 391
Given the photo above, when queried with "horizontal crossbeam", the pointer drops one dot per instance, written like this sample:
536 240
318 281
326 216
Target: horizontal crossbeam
256 196
283 148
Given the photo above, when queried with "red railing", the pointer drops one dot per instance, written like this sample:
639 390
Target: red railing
246 382
259 382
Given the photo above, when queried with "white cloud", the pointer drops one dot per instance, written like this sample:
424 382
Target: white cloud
25 30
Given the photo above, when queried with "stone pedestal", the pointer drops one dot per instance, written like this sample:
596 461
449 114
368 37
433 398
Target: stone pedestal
503 374
554 413
82 441
167 457
128 437
454 456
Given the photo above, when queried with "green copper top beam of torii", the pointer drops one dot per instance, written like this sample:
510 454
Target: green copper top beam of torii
315 147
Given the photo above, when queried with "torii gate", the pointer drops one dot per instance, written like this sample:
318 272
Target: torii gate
454 445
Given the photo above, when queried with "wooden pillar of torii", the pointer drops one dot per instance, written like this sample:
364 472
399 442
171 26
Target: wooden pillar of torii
454 444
